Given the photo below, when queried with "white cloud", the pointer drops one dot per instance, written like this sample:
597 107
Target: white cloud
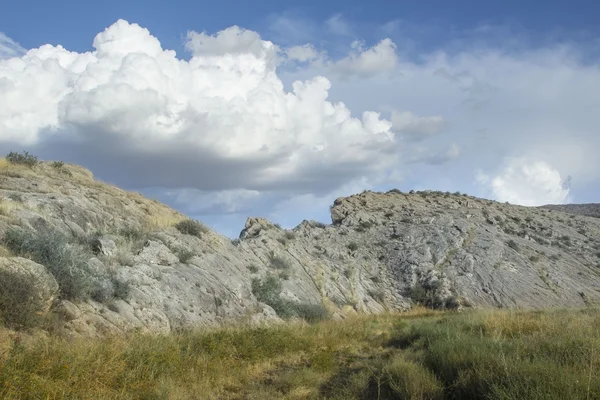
9 48
231 41
415 127
367 62
302 53
527 182
225 110
225 121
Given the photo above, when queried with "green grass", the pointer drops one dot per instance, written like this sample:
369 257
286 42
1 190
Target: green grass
420 355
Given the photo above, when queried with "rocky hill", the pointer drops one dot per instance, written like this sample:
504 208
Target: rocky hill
590 210
104 260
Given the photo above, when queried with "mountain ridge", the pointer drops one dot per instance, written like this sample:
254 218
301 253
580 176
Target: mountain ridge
148 267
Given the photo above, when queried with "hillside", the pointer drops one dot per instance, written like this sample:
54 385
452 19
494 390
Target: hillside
104 260
590 210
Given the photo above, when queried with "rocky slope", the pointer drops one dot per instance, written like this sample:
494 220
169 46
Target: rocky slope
590 210
383 251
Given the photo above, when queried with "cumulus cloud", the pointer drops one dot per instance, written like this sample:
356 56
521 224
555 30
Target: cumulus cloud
303 53
368 62
527 182
220 121
9 48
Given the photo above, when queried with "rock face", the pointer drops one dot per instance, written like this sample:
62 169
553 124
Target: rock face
383 251
46 288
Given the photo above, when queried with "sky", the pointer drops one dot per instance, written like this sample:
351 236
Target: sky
233 109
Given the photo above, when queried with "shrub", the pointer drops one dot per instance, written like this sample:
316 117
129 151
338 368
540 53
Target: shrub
19 301
131 233
122 289
278 262
377 295
513 245
23 158
252 268
310 312
191 227
185 255
67 262
267 291
290 235
57 164
284 275
352 246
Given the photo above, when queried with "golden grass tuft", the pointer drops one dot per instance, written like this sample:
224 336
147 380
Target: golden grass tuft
416 355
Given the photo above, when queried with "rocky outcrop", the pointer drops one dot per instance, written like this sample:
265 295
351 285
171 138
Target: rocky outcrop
383 251
38 287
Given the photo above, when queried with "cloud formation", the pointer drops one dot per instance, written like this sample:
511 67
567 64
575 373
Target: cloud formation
9 48
248 126
527 182
415 127
220 121
368 62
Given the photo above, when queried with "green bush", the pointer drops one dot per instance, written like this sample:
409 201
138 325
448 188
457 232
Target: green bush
310 312
191 227
185 255
122 289
352 246
23 158
278 262
58 164
19 301
267 291
252 268
513 245
132 233
67 262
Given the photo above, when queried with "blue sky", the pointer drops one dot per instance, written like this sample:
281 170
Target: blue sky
74 23
496 99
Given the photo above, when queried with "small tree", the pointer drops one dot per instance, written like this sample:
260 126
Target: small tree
23 158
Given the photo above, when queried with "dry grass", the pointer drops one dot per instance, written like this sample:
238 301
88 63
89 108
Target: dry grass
423 355
14 170
162 219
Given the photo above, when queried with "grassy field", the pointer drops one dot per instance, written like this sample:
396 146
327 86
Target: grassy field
421 355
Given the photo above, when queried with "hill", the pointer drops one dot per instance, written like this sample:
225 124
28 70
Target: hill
103 260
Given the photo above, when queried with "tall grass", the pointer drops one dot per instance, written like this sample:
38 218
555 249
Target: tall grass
426 355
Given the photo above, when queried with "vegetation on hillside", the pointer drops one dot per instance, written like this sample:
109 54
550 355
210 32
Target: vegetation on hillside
421 355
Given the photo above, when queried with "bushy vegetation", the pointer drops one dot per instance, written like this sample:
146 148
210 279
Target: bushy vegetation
421 355
23 158
184 255
352 246
20 305
513 245
278 262
67 262
191 227
268 291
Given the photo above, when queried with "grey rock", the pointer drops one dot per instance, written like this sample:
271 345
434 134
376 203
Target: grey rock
46 287
383 251
104 246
